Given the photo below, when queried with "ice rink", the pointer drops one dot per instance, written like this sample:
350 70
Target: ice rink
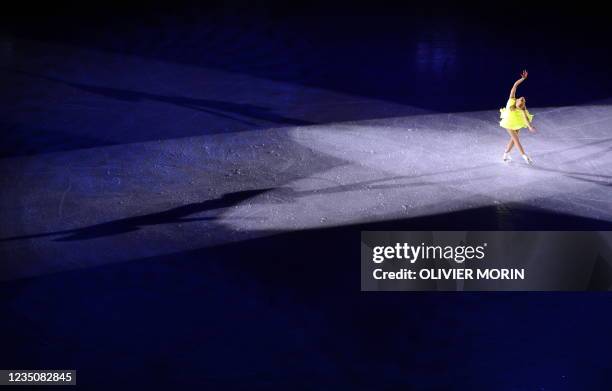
183 190
225 180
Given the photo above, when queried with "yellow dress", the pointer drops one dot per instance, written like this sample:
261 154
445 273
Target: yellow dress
513 119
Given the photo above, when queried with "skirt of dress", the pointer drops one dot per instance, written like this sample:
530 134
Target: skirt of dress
513 119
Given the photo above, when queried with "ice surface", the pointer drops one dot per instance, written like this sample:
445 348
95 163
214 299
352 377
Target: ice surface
207 190
161 167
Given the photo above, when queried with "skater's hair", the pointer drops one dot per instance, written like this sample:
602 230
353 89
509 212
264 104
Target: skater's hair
519 103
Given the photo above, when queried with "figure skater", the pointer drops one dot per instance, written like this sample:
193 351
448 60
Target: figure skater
514 117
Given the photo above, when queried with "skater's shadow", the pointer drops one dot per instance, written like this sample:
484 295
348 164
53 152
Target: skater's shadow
180 214
175 215
244 113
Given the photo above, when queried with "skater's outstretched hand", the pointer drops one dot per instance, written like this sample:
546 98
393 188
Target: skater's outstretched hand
532 129
516 84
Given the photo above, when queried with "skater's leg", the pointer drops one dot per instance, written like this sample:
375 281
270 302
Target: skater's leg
516 141
506 157
509 146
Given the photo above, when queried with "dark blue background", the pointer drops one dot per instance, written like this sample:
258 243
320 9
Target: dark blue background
285 312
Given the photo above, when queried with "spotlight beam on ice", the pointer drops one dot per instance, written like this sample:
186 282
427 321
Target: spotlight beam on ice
420 165
130 201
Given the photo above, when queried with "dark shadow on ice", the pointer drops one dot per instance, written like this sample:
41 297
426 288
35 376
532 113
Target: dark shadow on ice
129 224
178 215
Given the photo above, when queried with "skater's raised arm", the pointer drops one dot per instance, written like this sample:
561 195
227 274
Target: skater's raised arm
516 84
